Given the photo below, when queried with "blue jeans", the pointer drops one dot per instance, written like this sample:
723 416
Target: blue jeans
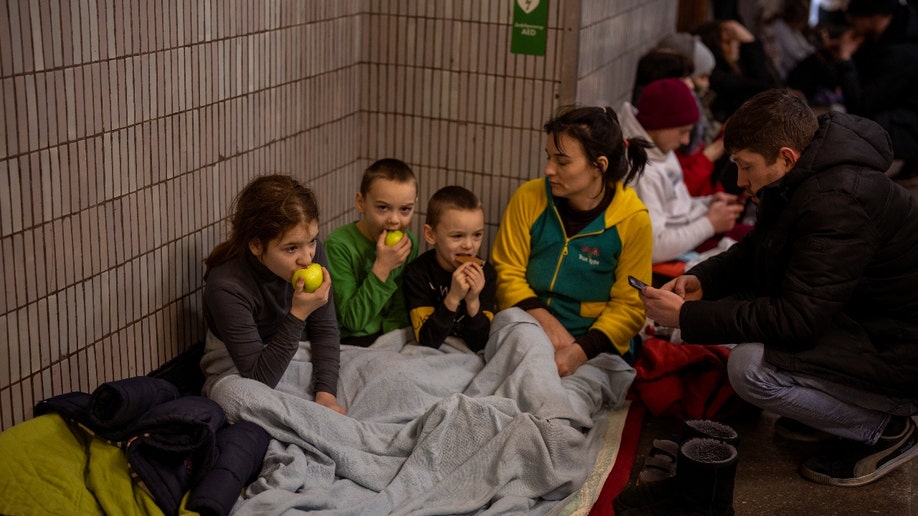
832 407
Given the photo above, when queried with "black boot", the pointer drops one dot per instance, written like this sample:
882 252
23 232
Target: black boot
711 429
703 484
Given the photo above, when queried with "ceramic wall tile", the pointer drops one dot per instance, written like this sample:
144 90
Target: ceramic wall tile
129 126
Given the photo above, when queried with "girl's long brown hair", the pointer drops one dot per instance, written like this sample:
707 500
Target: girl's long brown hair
262 211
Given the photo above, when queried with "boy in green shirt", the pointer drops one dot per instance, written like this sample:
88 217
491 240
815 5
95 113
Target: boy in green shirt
366 258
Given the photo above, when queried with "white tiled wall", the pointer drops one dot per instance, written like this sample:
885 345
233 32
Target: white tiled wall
128 126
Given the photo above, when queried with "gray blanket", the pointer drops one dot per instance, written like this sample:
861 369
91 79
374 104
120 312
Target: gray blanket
428 431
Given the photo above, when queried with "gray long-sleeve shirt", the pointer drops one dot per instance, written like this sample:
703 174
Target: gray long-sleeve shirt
247 307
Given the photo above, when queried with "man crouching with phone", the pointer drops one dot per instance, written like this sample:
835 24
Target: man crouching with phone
821 294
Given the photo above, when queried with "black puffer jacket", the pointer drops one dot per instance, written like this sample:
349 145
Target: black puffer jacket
173 443
828 279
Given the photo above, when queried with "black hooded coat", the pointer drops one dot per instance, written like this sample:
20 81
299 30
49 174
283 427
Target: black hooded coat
828 279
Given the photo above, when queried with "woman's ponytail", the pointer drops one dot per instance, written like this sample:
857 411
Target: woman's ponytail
636 155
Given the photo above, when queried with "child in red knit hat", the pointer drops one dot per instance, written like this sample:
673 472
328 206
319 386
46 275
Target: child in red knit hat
665 113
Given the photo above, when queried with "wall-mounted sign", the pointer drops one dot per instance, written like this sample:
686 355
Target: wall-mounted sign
530 27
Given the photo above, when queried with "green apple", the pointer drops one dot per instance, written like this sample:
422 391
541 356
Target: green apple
393 237
312 277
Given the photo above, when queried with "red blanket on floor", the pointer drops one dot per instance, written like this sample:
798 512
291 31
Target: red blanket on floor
687 381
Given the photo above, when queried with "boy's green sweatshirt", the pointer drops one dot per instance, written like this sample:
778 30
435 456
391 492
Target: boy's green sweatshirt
364 304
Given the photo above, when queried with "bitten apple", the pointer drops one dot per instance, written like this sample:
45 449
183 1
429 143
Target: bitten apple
312 277
393 237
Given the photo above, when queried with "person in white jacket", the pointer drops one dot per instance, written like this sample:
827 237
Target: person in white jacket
665 113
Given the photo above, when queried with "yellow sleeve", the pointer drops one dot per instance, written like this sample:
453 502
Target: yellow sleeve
512 244
623 317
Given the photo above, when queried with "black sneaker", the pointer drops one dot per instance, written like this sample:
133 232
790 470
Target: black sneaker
794 430
851 464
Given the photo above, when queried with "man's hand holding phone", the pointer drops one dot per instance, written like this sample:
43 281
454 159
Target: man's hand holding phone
664 304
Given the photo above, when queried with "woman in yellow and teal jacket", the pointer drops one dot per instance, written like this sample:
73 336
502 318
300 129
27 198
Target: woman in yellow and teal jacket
568 242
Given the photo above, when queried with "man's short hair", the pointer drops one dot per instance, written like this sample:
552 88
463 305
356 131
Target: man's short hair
768 121
450 198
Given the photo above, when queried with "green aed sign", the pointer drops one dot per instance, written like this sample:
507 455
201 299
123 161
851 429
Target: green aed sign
530 27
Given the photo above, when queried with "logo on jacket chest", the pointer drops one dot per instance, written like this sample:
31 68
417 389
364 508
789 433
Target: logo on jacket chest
589 255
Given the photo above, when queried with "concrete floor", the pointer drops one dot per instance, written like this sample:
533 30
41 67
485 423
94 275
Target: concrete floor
767 482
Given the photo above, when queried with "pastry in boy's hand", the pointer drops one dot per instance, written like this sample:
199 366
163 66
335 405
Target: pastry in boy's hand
464 258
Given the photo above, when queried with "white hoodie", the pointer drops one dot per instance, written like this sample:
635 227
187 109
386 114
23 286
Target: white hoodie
679 221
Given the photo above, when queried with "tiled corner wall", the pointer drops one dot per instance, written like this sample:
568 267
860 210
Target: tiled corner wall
613 36
447 96
129 125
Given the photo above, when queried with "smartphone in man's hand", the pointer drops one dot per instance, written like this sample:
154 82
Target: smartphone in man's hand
636 283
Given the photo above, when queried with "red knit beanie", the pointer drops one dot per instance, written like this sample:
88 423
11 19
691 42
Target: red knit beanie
666 103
